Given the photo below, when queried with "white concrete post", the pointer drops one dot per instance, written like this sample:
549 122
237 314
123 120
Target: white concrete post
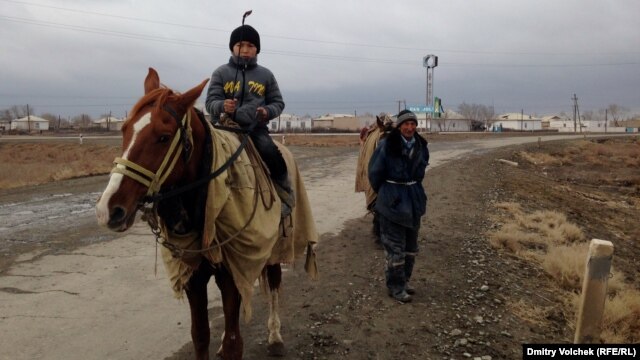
594 292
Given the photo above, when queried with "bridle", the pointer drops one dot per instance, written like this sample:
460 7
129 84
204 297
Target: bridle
181 143
182 140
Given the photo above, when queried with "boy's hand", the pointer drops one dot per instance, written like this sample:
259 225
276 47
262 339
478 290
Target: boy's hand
229 105
262 114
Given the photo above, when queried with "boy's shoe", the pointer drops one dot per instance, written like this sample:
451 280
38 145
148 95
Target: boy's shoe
285 210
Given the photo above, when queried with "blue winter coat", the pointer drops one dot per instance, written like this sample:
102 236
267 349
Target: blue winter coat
389 172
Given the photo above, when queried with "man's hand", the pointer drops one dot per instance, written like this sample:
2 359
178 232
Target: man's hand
229 105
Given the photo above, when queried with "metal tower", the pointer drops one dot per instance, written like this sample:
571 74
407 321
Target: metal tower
430 62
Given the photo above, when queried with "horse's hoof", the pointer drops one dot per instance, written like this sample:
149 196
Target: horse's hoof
276 349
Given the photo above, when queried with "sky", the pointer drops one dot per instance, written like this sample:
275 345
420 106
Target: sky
69 57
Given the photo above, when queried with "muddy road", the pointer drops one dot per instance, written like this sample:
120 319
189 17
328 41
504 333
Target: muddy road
70 290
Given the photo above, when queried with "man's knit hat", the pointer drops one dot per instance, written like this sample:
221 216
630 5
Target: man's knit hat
244 33
406 115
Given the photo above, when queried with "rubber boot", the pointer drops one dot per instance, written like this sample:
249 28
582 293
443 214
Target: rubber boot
396 283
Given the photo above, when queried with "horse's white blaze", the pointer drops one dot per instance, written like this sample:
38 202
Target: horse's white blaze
102 207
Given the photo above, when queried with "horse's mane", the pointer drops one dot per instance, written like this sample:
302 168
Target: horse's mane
158 96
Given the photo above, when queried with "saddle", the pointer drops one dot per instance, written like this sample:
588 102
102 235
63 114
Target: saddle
262 170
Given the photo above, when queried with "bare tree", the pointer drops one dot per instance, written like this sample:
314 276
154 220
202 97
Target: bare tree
19 111
5 115
477 113
81 121
616 111
588 115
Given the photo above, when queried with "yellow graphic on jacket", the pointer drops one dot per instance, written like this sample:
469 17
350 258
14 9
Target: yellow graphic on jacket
254 87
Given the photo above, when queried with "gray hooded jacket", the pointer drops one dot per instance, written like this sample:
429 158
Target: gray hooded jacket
260 88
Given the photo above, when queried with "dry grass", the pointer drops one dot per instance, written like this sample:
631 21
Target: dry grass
621 320
560 249
23 164
540 158
533 314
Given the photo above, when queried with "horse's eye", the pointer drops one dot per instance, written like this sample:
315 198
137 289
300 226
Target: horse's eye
163 138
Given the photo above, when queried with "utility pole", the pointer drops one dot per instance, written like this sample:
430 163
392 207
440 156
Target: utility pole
521 118
576 114
401 102
605 120
28 119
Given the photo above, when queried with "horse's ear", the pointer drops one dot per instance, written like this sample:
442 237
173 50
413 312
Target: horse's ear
379 121
152 81
189 98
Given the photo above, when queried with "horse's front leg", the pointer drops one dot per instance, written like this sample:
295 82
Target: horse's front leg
232 343
197 295
274 277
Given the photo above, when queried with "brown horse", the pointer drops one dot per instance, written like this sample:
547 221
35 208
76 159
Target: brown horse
209 207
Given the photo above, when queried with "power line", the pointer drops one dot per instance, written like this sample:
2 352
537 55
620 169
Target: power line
285 53
316 41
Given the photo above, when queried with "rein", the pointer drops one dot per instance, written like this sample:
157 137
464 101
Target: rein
153 181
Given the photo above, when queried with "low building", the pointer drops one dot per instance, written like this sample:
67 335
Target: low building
290 123
337 122
516 122
30 123
5 125
566 124
110 122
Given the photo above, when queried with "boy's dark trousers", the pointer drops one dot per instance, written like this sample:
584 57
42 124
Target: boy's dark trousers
270 155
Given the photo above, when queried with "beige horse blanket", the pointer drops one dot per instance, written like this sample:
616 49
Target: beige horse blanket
243 227
362 169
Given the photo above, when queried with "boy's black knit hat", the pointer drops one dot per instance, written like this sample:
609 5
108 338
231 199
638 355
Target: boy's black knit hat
244 33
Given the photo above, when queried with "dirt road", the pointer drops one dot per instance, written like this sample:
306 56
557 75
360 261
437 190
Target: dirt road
86 293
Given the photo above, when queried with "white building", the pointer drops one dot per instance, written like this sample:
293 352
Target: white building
289 123
593 126
30 123
516 122
112 122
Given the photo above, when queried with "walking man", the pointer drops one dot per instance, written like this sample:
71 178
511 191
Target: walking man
396 171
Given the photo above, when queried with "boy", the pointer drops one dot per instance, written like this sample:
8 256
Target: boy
249 94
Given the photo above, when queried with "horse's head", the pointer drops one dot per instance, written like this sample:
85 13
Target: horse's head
158 151
384 122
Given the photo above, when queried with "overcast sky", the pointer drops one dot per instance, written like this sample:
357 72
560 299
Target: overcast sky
69 57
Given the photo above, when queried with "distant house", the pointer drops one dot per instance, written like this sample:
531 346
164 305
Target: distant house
338 122
550 122
451 121
516 122
30 123
5 125
565 124
289 123
113 123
